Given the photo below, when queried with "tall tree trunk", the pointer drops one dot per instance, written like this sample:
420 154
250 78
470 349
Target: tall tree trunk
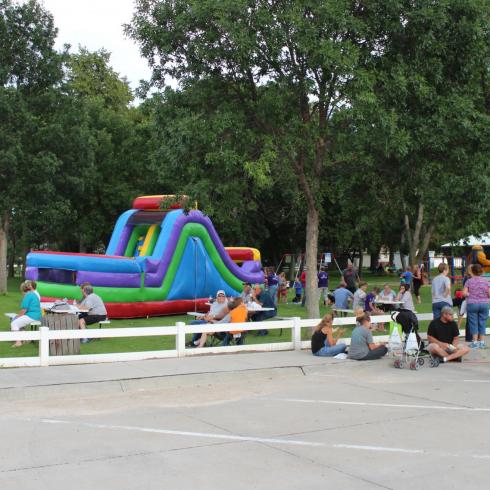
11 260
361 262
4 226
413 237
312 225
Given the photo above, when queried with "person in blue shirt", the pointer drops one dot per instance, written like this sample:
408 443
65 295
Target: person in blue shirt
342 297
30 310
323 285
298 288
407 276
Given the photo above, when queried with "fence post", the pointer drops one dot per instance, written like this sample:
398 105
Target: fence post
180 339
44 346
297 333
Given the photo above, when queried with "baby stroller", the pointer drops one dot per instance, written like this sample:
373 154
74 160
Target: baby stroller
411 351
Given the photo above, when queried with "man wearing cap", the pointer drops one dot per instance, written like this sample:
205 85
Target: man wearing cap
443 336
217 312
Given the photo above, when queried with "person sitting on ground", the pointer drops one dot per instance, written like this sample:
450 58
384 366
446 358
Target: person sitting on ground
217 311
360 295
443 337
405 296
238 314
342 297
263 299
246 293
324 340
30 310
92 310
362 346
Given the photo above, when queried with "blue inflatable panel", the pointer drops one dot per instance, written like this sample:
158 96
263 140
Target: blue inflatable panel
197 275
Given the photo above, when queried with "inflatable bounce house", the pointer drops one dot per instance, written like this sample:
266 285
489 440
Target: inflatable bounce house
478 256
158 262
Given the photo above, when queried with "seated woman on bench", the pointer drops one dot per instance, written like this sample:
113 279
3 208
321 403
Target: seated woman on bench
324 340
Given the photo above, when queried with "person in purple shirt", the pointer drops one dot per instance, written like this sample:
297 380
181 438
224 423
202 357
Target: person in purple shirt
477 293
273 283
323 285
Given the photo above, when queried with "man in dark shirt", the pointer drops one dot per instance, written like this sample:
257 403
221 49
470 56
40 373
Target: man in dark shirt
350 277
263 299
443 336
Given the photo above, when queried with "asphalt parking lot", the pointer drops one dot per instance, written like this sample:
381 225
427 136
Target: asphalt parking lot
283 420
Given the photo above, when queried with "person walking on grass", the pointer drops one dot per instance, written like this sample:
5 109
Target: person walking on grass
324 341
441 291
477 293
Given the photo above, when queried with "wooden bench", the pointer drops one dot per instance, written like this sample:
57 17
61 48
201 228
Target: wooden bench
34 325
104 322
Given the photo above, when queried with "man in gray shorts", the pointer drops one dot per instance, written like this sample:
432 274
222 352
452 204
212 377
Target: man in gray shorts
92 309
443 336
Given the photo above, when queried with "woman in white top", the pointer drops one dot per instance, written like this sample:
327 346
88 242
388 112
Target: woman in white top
405 296
387 294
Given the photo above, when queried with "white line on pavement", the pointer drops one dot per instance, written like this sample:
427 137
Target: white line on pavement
231 437
387 405
228 437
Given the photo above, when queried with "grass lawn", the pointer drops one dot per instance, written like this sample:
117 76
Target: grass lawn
11 302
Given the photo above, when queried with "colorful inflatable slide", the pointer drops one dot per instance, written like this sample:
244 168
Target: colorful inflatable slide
158 262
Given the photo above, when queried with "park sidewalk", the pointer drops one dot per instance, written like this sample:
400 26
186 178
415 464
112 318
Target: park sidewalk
104 379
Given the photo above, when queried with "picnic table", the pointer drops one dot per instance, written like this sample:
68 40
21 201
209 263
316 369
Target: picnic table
388 305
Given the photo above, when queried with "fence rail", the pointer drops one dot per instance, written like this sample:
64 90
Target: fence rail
179 331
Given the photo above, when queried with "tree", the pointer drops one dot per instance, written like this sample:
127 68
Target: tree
425 128
287 65
29 68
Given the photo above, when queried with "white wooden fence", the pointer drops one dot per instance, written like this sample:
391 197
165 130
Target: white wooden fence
179 331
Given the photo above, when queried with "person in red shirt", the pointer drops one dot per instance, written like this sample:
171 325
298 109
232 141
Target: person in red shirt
303 283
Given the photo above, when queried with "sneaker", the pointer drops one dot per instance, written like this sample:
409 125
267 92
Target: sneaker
482 344
474 345
85 341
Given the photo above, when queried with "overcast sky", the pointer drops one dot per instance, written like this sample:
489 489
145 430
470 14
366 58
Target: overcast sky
98 24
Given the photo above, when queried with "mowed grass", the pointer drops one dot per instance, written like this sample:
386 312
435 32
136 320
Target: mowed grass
11 302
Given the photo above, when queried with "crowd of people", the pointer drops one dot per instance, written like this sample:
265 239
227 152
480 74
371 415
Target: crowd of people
259 302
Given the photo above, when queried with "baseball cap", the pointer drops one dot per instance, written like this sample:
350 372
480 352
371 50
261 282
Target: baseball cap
221 292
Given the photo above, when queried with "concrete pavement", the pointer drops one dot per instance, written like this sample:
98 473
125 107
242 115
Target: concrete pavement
260 420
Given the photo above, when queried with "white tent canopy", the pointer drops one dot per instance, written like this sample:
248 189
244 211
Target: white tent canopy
470 241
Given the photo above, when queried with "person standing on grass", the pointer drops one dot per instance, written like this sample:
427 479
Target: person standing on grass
303 284
443 337
324 342
323 285
477 293
273 284
30 310
362 346
441 291
406 276
417 282
350 277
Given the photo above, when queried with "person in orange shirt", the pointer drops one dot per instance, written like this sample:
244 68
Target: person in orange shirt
238 314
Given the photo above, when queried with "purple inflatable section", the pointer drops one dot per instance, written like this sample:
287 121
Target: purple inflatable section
123 241
32 273
156 279
155 269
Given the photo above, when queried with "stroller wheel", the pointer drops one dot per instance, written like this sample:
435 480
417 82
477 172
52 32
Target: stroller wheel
420 361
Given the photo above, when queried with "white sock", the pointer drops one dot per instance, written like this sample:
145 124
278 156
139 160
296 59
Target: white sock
444 359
